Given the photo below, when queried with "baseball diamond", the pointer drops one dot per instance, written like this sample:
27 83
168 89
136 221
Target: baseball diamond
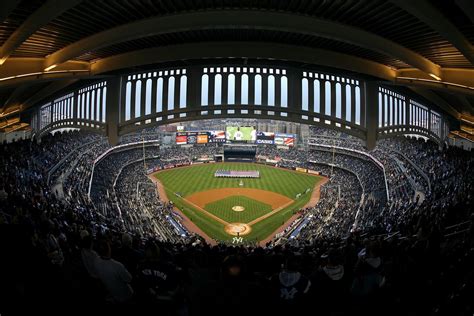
205 157
270 200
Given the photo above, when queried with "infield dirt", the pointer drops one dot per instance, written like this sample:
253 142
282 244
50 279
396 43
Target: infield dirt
273 199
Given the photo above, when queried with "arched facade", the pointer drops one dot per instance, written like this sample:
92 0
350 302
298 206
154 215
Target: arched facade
367 110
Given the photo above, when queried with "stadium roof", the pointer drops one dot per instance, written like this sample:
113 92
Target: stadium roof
426 45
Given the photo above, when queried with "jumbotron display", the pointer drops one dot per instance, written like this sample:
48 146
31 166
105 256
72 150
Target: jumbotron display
241 134
235 134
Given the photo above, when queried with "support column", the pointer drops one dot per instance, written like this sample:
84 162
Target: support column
164 107
333 100
210 91
238 88
224 88
114 103
310 95
177 93
363 107
294 91
277 90
343 101
251 89
264 90
193 99
322 97
371 105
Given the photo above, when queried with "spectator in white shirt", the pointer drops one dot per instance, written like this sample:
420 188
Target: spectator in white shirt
113 275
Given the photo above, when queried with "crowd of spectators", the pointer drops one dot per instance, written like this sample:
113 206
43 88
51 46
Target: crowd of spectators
357 253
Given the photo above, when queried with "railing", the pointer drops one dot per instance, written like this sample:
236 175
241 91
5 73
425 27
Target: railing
421 172
375 160
56 166
362 196
108 151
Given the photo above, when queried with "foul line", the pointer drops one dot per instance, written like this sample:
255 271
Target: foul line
220 220
278 209
314 196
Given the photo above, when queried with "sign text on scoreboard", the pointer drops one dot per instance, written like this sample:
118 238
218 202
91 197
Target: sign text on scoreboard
216 136
181 138
265 138
285 139
202 138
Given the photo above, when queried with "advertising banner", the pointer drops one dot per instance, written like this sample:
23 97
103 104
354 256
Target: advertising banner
265 138
181 139
301 169
216 136
285 139
202 138
192 137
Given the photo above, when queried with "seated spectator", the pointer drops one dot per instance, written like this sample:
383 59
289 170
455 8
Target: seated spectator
368 272
291 285
156 281
330 283
88 255
113 275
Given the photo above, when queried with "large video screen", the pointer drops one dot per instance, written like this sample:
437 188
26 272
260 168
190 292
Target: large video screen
216 136
241 134
265 138
285 139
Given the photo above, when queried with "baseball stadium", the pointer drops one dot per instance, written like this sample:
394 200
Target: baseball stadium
224 208
273 157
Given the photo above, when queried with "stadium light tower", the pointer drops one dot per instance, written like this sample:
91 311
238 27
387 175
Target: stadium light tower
144 161
333 153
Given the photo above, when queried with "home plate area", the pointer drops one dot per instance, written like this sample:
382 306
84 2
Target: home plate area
239 208
237 229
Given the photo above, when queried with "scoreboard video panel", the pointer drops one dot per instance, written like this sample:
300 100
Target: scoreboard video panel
265 138
216 136
285 139
241 134
181 138
202 138
192 137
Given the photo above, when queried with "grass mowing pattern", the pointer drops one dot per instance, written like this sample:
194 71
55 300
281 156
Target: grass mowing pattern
198 178
223 209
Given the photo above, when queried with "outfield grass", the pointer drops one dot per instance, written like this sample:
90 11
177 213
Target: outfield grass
189 180
223 209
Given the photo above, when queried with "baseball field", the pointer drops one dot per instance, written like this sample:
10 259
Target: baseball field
247 208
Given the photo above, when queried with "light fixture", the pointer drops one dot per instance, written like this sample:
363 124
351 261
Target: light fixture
436 77
42 73
2 60
50 67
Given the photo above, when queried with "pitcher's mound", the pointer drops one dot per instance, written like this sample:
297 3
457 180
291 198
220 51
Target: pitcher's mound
238 208
238 229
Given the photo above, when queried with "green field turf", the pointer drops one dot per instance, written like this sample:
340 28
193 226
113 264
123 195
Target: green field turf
223 209
188 180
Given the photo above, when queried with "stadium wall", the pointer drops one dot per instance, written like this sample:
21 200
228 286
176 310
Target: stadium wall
357 106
